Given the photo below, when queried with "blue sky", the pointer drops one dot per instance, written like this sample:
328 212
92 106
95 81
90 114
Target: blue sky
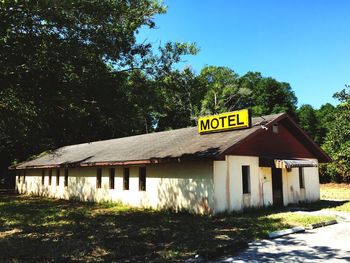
303 42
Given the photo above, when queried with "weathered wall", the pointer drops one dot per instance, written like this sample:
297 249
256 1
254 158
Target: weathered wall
228 184
292 193
198 186
229 191
187 185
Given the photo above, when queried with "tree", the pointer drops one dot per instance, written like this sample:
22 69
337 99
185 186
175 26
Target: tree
180 95
270 96
325 116
308 120
337 142
223 92
72 71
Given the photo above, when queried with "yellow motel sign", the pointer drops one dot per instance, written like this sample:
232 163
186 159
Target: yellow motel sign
226 121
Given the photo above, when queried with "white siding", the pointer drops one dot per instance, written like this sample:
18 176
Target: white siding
197 186
291 187
229 192
220 189
187 185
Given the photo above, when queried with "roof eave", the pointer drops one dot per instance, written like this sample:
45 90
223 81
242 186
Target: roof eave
325 158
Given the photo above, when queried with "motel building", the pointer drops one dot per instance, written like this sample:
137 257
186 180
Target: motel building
229 162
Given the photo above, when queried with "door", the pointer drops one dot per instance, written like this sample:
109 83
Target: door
277 189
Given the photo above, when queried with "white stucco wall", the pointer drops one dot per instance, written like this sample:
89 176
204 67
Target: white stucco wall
228 184
228 188
186 185
197 186
266 185
312 184
220 186
292 193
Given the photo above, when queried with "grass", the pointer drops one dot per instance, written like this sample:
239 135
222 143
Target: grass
343 208
334 191
334 197
297 220
38 229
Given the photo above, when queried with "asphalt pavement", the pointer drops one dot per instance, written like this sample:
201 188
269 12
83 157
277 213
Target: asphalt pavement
330 243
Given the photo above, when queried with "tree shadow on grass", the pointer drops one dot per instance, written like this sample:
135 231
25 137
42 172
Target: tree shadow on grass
66 231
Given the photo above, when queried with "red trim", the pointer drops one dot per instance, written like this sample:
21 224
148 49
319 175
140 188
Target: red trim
221 156
326 157
308 142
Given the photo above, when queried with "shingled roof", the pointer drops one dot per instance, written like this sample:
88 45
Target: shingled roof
180 144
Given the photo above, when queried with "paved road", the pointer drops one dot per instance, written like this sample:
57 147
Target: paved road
330 243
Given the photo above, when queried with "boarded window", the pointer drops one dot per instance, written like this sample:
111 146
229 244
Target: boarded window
142 179
98 178
111 178
57 176
42 177
50 176
246 179
66 177
126 178
301 178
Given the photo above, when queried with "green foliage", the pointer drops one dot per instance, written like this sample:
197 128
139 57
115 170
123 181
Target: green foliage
337 142
222 90
271 96
73 72
325 119
308 120
316 122
180 95
226 91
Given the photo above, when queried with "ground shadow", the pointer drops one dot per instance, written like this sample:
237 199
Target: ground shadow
36 229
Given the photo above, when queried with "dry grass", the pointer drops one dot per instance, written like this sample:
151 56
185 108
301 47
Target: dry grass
34 229
334 191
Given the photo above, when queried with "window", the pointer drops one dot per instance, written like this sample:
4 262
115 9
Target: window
126 178
111 178
275 128
98 178
66 177
19 176
57 177
246 179
142 179
24 176
50 176
42 177
301 178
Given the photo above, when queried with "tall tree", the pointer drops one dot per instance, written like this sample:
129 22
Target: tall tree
325 116
179 102
308 120
66 70
223 92
271 96
337 142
